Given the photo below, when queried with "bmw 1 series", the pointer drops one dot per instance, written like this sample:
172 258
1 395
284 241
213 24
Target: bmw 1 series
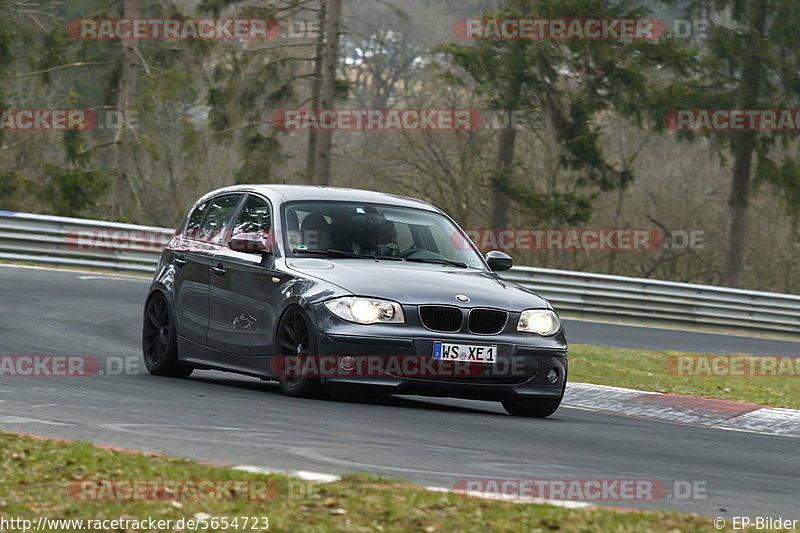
323 288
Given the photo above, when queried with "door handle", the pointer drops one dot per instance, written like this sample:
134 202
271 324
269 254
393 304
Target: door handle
218 270
179 261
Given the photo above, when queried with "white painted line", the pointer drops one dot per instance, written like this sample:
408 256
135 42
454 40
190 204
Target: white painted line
773 421
305 475
498 497
315 476
9 419
255 469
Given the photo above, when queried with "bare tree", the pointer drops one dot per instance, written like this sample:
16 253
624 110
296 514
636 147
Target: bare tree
125 184
330 65
316 94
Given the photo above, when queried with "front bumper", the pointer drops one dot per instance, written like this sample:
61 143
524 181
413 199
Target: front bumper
523 370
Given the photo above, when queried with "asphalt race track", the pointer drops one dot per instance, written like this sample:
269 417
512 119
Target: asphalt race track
217 416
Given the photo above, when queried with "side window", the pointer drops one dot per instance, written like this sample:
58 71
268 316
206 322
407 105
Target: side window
195 219
254 218
219 214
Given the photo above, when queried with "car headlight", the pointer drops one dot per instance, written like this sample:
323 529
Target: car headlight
366 310
542 322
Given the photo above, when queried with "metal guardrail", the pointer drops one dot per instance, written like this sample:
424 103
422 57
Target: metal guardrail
81 243
662 302
130 248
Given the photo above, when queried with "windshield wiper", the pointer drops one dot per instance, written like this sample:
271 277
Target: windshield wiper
436 260
331 252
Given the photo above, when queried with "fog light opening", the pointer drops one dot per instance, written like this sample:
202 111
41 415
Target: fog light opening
552 375
347 362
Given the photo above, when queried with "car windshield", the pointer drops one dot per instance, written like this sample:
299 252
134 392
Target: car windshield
374 231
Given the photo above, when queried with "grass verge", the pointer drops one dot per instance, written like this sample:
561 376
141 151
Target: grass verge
35 475
648 370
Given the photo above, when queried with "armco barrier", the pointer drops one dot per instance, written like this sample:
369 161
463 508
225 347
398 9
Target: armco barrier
665 302
48 240
44 239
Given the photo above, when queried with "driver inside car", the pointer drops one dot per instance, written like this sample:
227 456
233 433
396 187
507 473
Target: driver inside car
316 232
382 240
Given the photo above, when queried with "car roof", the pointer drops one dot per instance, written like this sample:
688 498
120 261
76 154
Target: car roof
315 193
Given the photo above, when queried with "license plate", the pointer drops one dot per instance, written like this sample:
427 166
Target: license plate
464 352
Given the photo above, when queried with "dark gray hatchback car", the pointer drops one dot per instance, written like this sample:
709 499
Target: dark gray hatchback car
321 288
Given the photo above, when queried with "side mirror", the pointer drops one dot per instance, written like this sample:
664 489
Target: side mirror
499 261
249 243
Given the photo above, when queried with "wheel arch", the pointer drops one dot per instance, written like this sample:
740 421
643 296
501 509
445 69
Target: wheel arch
304 306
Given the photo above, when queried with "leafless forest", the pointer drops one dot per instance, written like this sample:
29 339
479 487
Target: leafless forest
590 149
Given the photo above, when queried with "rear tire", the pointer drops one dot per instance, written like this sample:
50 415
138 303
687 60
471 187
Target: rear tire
160 340
296 338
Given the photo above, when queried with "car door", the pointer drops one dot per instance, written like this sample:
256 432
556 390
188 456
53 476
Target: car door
193 255
243 289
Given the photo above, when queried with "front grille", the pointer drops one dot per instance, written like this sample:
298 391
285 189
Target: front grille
441 317
487 321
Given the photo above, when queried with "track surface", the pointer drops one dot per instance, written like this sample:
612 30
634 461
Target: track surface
217 416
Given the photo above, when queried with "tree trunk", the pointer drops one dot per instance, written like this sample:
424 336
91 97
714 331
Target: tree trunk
501 202
316 90
504 169
737 207
506 152
125 182
328 92
744 146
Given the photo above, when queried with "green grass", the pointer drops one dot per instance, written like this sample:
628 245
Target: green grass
35 473
645 370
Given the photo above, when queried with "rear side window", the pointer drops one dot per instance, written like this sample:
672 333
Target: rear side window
218 216
254 218
195 219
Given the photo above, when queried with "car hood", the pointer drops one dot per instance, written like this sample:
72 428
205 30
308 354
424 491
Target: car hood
420 283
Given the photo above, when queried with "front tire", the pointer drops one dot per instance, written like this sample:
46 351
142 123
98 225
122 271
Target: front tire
160 340
296 339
